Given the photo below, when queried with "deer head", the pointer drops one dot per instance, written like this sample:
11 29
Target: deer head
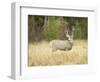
69 32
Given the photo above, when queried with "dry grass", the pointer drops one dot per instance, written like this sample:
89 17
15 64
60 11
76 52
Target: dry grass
40 54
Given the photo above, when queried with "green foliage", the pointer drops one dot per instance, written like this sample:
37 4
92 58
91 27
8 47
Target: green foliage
81 30
52 31
52 27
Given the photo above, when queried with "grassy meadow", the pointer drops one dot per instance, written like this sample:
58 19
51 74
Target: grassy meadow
40 54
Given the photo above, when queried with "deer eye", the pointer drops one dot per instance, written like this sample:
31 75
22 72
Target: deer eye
70 33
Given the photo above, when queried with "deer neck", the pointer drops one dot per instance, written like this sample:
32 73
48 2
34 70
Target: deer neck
71 42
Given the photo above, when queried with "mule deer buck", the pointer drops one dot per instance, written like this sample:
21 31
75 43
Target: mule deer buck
64 44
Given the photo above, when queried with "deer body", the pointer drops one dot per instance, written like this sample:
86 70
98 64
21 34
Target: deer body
61 45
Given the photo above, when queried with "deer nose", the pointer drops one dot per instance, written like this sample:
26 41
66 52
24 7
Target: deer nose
69 39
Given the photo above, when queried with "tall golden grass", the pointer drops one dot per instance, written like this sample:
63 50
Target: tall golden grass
40 54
